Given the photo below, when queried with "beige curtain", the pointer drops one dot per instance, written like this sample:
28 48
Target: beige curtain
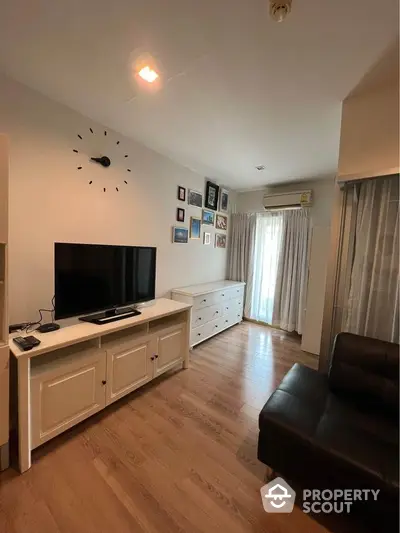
373 302
291 282
241 252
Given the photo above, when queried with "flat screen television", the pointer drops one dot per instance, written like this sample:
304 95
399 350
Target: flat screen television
92 277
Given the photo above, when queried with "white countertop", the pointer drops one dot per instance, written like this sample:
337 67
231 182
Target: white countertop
81 331
205 288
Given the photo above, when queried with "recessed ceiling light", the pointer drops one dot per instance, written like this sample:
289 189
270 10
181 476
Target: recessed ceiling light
260 168
148 74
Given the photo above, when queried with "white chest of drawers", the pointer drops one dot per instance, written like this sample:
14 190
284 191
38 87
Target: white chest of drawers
215 306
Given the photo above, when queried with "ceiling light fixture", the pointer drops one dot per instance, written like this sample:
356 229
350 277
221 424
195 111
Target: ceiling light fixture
280 10
148 74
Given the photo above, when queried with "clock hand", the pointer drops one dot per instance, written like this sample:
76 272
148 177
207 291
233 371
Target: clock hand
104 160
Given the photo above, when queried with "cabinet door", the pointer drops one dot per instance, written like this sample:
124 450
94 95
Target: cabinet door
64 396
129 368
170 349
4 393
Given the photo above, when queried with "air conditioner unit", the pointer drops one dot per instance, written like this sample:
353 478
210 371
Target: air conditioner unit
288 199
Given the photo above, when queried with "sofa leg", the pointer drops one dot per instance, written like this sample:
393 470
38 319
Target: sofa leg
270 474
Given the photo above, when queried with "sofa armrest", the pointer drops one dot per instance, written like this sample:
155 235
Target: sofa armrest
366 370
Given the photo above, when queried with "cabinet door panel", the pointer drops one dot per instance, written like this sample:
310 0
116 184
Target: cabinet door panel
170 350
61 399
129 369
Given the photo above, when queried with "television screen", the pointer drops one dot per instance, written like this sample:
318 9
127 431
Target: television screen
92 277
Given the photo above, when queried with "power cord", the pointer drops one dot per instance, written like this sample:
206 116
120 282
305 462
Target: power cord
32 326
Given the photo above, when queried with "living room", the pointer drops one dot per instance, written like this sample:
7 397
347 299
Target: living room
253 192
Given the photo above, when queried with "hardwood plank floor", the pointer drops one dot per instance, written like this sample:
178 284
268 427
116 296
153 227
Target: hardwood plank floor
177 456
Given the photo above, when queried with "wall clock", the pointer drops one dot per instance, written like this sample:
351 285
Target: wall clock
100 150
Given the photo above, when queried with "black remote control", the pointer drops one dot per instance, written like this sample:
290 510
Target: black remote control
26 343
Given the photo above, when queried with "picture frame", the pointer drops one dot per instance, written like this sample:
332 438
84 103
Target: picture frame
221 222
220 240
212 192
181 193
180 214
195 227
195 198
223 200
208 217
180 235
206 238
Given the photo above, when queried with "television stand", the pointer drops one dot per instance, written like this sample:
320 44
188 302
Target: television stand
111 315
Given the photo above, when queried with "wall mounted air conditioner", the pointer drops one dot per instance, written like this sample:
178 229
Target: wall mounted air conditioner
288 199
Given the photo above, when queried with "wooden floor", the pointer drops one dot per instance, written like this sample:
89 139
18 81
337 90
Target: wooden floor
177 456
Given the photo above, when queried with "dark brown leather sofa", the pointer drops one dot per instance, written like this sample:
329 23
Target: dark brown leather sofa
339 430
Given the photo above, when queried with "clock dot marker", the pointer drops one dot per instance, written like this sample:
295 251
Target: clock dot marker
117 142
104 190
116 188
90 182
129 170
125 182
79 168
105 132
126 156
80 136
91 131
76 151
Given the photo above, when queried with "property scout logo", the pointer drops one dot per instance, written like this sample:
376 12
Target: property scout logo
278 497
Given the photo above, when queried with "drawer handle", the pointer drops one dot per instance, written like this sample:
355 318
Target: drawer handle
103 382
226 321
223 295
199 318
216 325
216 313
199 334
156 356
152 358
203 301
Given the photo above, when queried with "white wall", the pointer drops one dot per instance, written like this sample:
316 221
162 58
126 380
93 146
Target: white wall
50 200
321 212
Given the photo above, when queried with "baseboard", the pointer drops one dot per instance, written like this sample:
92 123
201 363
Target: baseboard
4 456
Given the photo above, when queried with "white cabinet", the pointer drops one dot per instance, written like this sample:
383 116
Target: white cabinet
129 367
79 369
65 390
169 351
215 307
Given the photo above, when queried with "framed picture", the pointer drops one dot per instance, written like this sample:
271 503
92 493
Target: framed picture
220 240
212 191
195 227
208 217
195 198
222 222
181 193
180 215
223 200
206 238
180 235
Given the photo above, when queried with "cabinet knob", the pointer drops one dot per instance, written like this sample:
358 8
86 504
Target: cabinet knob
199 318
226 320
223 295
152 358
156 356
204 301
103 382
216 325
199 334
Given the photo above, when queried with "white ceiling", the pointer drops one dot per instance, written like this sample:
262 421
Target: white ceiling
239 90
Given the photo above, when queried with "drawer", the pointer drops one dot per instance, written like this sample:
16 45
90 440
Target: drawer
236 304
213 312
197 335
200 317
228 320
222 296
212 328
205 300
236 292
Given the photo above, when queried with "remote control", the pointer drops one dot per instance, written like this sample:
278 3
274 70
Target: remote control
26 343
33 340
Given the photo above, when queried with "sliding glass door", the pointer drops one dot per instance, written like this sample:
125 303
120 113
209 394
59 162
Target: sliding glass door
268 240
